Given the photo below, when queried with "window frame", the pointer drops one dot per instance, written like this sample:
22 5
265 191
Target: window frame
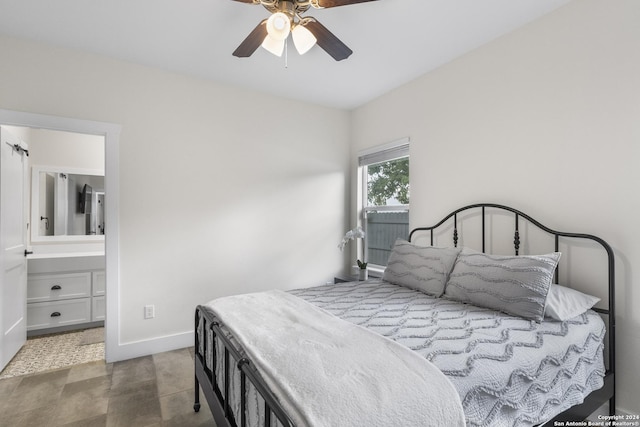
392 151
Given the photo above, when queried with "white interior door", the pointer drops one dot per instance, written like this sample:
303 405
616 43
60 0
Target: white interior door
13 233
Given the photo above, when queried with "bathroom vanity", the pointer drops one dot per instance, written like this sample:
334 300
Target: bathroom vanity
65 292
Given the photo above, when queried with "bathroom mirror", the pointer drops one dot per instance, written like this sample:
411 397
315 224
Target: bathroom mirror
67 205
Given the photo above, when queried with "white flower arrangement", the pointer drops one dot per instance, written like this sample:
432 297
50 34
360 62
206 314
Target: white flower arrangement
356 233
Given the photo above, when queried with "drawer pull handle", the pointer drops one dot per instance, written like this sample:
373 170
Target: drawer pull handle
55 314
56 287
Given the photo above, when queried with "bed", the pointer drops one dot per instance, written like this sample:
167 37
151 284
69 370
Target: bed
448 336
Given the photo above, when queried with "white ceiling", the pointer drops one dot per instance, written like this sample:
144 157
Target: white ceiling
394 41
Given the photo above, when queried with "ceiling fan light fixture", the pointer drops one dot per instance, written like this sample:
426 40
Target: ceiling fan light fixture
303 39
279 26
273 45
285 17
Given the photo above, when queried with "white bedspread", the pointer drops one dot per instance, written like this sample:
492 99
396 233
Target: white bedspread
329 372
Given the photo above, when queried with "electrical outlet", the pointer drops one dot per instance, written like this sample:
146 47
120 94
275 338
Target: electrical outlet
149 311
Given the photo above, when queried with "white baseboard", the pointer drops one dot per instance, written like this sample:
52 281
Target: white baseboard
131 350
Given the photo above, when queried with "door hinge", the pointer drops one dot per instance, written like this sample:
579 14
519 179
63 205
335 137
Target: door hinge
26 252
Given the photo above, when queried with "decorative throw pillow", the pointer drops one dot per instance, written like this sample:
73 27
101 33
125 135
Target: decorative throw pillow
566 303
516 285
425 268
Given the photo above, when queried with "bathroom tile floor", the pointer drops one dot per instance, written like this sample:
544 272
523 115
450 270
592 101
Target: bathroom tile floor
153 391
53 351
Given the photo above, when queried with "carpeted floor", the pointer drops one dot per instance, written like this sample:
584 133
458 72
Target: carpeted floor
56 351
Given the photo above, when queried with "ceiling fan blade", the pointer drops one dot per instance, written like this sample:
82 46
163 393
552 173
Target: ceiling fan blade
252 42
328 41
336 3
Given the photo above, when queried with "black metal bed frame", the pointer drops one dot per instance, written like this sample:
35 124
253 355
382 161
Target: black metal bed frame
218 400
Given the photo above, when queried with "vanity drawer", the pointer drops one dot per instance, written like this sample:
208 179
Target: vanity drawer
52 287
99 283
98 310
42 315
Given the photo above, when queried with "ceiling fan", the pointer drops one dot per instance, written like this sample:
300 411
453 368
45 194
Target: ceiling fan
286 18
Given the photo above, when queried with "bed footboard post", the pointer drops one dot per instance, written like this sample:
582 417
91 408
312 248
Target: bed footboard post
196 397
243 396
196 385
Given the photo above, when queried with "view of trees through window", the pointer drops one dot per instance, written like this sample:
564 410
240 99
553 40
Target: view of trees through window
388 183
387 207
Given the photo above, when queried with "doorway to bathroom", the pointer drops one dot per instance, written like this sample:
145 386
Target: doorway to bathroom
107 250
66 288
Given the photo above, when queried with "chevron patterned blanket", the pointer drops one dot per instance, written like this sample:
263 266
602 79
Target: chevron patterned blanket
508 371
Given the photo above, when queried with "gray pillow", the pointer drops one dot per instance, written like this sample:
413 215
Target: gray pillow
425 268
516 285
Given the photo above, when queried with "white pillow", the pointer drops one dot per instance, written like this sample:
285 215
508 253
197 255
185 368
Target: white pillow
566 303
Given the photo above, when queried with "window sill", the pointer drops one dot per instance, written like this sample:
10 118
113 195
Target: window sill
377 271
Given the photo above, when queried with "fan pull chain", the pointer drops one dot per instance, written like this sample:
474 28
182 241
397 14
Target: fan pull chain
286 52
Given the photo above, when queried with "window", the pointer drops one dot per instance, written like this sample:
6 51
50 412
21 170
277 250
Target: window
384 202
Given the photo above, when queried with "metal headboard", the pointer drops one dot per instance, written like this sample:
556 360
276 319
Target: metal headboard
610 312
